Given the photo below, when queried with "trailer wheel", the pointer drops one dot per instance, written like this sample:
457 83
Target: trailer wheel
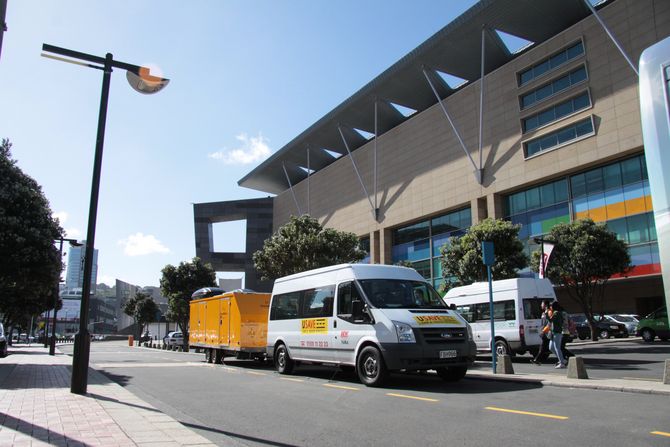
283 361
218 356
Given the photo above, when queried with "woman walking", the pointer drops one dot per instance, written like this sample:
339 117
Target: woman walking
555 317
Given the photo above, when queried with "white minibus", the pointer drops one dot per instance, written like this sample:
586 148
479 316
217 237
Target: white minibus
516 311
374 318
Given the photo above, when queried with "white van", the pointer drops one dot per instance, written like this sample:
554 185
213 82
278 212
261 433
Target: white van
516 309
376 318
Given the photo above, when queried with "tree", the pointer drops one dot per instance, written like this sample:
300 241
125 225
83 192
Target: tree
304 244
179 283
462 256
30 266
584 257
143 309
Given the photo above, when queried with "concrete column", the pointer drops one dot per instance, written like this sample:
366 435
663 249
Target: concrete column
478 209
494 206
385 246
375 256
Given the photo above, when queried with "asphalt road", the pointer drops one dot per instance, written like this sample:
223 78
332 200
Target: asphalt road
249 404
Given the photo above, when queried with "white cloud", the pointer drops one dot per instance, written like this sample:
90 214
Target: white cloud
61 216
252 149
139 244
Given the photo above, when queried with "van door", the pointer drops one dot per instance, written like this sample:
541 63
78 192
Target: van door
316 324
346 333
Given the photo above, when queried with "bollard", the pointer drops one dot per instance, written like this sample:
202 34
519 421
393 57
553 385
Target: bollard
576 368
504 365
131 340
666 373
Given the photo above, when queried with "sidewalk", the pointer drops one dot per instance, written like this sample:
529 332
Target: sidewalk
561 379
37 408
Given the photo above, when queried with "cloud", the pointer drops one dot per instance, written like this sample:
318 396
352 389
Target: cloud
252 149
139 244
61 216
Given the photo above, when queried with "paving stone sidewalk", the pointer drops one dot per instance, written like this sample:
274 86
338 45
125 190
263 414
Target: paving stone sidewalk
37 408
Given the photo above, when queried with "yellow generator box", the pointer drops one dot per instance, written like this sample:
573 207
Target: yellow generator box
233 323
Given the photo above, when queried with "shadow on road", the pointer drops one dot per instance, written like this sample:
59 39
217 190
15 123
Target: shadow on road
236 435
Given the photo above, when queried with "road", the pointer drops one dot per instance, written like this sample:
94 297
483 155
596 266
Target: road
319 406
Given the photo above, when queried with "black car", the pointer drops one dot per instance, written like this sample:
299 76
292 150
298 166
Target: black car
606 327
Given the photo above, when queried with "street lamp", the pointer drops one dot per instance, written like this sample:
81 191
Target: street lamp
73 243
142 81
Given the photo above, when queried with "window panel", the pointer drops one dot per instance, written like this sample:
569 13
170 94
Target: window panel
640 255
566 135
578 75
533 198
612 176
551 140
550 63
638 229
318 302
619 227
285 306
581 102
561 190
543 92
533 148
584 128
631 171
541 68
652 227
576 50
594 180
423 267
559 59
547 196
563 109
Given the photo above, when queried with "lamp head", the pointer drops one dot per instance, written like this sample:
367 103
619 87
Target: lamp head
143 82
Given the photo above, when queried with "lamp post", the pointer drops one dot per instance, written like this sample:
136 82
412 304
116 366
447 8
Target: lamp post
52 344
142 81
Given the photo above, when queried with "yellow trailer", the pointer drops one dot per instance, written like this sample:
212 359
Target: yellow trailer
230 324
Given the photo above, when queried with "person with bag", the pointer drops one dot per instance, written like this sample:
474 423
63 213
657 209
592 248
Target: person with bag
543 352
569 331
557 323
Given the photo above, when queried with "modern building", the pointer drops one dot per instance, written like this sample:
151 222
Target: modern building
74 277
550 133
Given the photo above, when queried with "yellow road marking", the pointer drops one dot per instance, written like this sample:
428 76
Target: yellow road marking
648 379
412 397
256 373
527 413
342 387
660 433
292 380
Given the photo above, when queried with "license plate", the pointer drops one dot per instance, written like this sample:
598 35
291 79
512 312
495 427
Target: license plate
448 354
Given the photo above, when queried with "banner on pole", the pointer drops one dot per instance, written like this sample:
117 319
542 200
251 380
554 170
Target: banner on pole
546 253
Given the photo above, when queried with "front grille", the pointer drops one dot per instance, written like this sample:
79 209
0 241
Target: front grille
443 335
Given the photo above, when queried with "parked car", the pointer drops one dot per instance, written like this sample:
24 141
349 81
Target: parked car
3 342
173 338
626 320
655 325
146 337
606 328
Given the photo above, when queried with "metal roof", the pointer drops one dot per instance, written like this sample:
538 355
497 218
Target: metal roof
455 49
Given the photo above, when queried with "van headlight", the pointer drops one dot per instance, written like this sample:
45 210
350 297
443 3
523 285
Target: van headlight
405 332
470 336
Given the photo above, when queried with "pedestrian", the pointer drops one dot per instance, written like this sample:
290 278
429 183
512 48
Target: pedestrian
568 329
556 319
543 352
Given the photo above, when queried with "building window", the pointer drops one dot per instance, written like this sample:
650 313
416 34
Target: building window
617 194
556 112
558 138
364 244
420 243
551 63
553 88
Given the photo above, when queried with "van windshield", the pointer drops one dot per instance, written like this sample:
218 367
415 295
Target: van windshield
532 308
401 294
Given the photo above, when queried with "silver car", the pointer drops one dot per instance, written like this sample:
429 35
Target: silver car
626 320
173 339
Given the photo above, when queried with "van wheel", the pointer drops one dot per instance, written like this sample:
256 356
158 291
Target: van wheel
370 367
452 373
502 348
283 361
648 335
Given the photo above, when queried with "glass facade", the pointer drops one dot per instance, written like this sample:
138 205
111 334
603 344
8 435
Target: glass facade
554 87
556 112
617 194
420 243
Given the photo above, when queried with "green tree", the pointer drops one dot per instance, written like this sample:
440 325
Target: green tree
462 257
304 244
29 263
143 309
584 258
179 283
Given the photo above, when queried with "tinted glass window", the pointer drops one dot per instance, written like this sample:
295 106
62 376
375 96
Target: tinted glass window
318 302
285 306
401 294
532 308
346 294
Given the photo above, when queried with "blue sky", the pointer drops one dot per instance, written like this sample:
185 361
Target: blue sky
246 78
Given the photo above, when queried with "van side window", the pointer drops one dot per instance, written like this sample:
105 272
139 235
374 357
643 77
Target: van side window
318 302
502 310
467 311
285 306
347 292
